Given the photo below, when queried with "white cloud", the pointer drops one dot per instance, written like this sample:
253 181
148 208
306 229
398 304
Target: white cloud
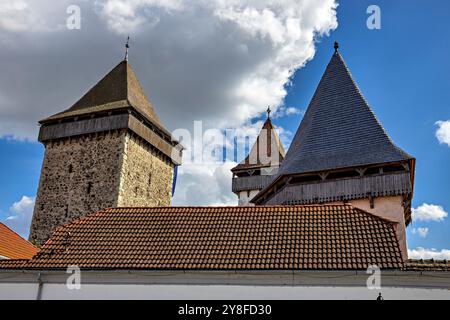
443 132
20 216
292 110
125 15
204 179
429 212
14 15
422 253
287 111
219 61
210 185
18 16
422 232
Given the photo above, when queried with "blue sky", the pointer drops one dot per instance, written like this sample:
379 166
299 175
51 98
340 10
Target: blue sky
402 70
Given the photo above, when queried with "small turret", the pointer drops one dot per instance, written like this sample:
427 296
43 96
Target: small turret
261 164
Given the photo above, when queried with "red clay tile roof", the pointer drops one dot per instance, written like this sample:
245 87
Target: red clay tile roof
13 263
223 238
13 246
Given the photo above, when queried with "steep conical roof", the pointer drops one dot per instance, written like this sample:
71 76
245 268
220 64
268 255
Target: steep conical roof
268 146
339 128
119 89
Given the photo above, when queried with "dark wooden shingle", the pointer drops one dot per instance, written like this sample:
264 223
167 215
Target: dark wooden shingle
339 128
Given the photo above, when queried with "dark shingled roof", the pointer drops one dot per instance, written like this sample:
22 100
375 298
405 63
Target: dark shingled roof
320 237
264 141
339 128
119 89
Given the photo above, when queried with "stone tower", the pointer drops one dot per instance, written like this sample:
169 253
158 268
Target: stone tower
256 171
108 150
342 154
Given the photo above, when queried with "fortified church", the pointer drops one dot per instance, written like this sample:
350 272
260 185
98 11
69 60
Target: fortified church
338 200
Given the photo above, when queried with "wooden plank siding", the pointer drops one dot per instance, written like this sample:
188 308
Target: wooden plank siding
75 128
250 183
344 189
111 122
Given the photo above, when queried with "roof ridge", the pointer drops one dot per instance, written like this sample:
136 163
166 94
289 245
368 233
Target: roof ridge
230 206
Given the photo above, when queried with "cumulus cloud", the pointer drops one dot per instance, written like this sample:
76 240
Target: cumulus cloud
205 185
126 15
429 212
283 111
25 16
422 232
218 61
205 176
20 216
221 62
422 253
443 132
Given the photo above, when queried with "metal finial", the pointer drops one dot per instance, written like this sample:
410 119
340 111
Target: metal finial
127 46
268 111
336 46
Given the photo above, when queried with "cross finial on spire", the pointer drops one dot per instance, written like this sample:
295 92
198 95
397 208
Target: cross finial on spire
336 46
127 46
268 112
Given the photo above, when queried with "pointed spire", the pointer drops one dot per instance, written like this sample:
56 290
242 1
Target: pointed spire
127 46
339 129
119 89
336 47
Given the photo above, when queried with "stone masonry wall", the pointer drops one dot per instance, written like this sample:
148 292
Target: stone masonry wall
79 175
146 177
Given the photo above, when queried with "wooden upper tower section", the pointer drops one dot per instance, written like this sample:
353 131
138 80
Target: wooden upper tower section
340 151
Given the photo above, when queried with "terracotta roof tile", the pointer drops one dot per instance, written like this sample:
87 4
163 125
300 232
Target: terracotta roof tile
12 263
225 238
13 246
